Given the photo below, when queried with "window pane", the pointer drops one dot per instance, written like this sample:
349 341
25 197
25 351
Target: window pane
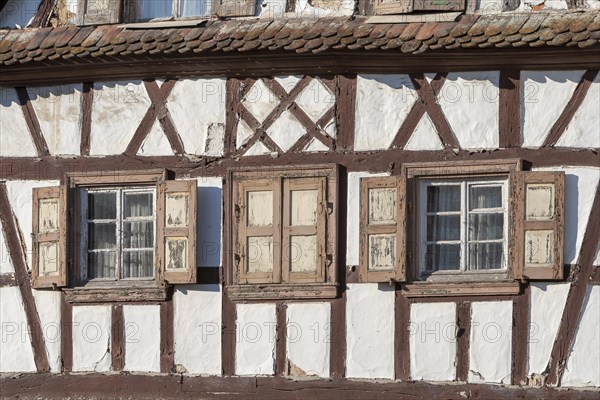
190 8
485 256
443 227
382 206
138 205
156 9
443 198
382 252
260 254
260 208
102 264
442 257
102 235
303 207
102 205
486 226
303 253
138 235
485 197
137 264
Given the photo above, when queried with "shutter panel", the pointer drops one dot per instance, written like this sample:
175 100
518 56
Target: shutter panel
236 8
176 231
49 237
539 225
382 229
258 233
381 7
98 12
439 5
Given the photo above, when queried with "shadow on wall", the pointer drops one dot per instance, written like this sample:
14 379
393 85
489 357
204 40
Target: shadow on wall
18 13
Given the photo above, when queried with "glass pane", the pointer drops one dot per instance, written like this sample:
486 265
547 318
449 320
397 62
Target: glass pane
48 215
190 8
176 257
102 205
138 235
156 9
138 205
443 198
443 227
102 264
382 206
260 208
486 226
382 252
485 256
260 254
137 264
485 197
303 207
303 253
442 257
176 209
102 235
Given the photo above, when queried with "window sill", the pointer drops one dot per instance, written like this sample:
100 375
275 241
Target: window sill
116 294
427 289
282 292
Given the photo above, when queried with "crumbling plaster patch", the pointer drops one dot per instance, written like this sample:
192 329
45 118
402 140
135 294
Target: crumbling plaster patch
91 338
255 336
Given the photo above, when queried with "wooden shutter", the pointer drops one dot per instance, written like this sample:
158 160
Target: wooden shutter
439 5
235 8
98 12
176 231
258 236
49 237
539 225
304 230
392 6
382 229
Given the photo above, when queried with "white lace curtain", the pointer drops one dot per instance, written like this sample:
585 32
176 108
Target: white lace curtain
151 9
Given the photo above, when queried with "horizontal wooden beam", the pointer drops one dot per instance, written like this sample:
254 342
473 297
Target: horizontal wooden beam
283 63
263 388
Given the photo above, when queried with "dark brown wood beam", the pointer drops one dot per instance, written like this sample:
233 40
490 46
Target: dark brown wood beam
43 13
509 122
280 340
345 111
582 273
7 280
66 333
117 338
32 121
402 337
463 339
87 101
16 248
283 63
167 350
520 337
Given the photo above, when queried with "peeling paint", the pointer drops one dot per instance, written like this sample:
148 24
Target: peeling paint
308 339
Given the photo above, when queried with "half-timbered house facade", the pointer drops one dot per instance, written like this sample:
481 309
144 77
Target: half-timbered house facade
300 199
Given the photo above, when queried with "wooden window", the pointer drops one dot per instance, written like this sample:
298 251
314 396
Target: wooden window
127 230
540 226
382 228
408 6
284 230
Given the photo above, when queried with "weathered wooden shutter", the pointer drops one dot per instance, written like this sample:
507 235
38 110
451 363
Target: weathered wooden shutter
176 231
539 225
49 238
304 230
439 5
258 235
235 8
382 229
98 12
392 6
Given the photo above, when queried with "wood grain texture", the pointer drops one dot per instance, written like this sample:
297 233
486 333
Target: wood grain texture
463 335
87 101
167 350
571 108
520 337
16 248
337 332
117 338
509 116
32 121
345 111
402 337
43 13
575 299
232 90
66 334
280 344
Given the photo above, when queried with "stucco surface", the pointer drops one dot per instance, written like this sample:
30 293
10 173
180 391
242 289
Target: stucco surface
6 264
47 304
91 338
308 338
142 338
16 354
490 342
369 334
15 140
197 325
433 341
425 136
156 143
256 333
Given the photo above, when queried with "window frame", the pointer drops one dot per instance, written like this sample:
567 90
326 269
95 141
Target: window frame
130 7
465 184
120 220
321 285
